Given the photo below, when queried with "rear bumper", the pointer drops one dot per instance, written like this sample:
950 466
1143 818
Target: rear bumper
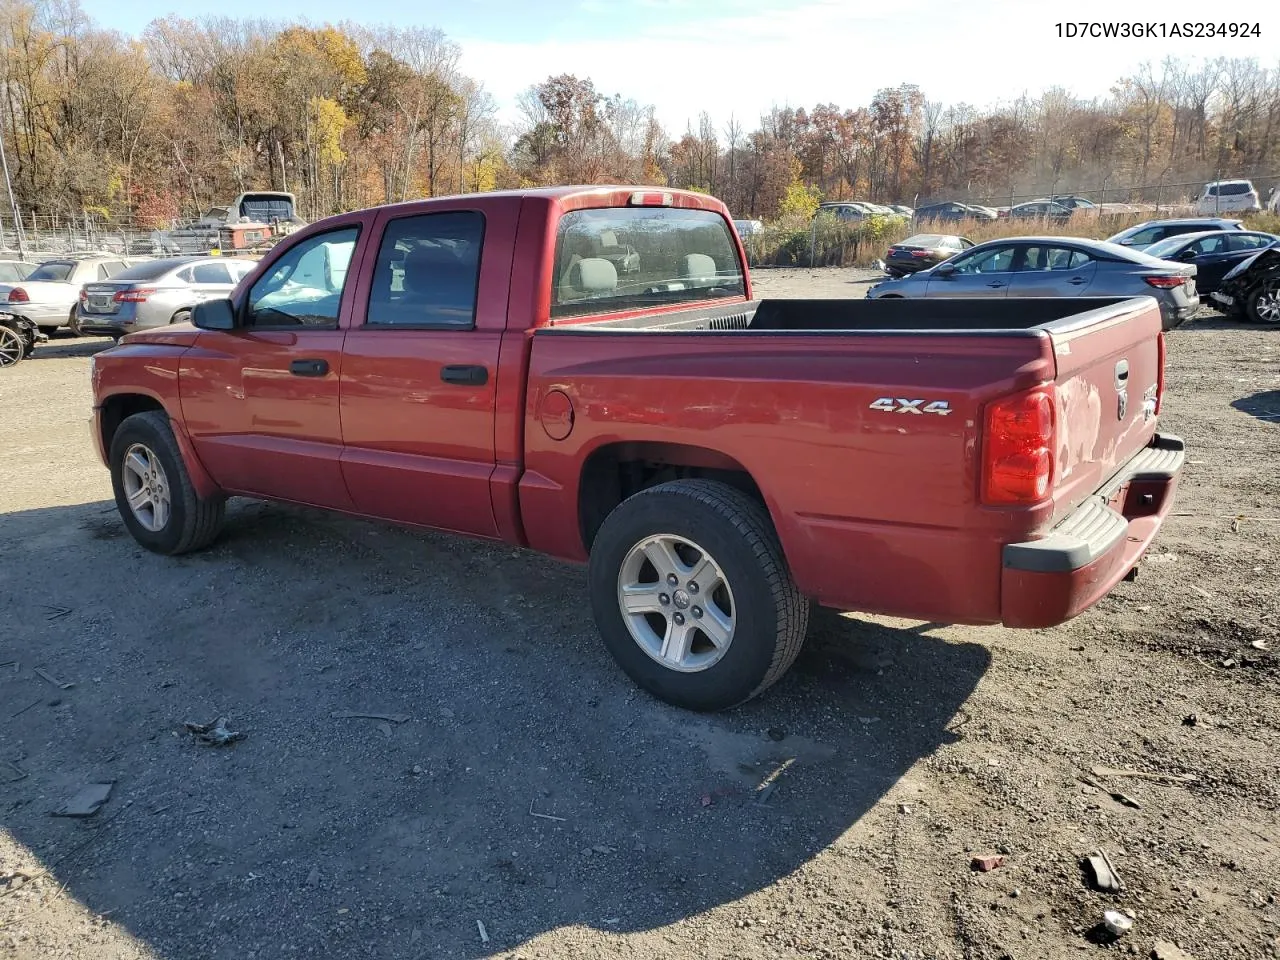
1048 581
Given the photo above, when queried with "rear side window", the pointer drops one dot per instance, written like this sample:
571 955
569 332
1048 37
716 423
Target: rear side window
627 258
1229 189
428 271
1247 241
210 273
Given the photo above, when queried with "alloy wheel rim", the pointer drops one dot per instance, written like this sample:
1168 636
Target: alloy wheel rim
146 487
677 603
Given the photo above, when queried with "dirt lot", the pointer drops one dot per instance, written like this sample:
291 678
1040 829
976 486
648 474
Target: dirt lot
530 788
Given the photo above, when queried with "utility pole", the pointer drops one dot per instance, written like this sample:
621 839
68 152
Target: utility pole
13 204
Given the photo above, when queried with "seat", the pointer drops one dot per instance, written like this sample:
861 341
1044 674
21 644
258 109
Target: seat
698 266
438 288
589 277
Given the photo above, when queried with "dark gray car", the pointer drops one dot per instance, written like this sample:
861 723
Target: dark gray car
1054 267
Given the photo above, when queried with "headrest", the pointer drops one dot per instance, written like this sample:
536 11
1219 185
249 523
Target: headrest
608 238
597 275
699 265
425 267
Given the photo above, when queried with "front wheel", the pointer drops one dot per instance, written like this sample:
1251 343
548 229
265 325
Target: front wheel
12 347
692 596
154 494
182 316
1263 302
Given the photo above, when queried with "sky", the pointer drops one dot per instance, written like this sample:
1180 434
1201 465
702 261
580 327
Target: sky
741 57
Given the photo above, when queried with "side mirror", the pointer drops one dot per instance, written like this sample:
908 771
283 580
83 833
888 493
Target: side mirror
944 270
214 315
1187 254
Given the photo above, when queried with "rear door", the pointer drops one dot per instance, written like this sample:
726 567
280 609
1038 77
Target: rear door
979 273
261 401
1107 377
1046 270
419 374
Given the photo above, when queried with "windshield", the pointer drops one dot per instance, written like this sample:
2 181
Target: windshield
622 258
148 270
53 270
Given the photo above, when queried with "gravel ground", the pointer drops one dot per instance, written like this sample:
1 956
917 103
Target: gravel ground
524 799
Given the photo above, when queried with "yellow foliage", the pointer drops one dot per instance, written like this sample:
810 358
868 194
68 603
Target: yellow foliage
799 201
328 121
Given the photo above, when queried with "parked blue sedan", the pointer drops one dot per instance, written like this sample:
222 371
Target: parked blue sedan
1054 267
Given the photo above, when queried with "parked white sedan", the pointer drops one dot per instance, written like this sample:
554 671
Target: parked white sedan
48 295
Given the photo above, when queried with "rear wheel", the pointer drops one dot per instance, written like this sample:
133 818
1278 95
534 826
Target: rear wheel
73 324
154 493
1263 302
692 597
12 347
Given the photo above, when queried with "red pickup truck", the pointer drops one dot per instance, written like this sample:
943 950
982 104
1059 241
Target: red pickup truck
583 371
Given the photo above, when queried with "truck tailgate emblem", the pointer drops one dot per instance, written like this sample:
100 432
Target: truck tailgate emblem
919 407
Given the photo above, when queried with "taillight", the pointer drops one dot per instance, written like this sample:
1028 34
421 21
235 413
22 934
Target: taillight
134 296
1166 283
1159 372
1017 449
18 295
84 295
921 253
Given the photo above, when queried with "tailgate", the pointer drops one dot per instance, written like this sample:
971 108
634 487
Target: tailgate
1108 381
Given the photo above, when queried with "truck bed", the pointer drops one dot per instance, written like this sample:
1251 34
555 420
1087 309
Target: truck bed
976 315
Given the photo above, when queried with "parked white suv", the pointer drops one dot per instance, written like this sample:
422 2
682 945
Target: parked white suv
1228 196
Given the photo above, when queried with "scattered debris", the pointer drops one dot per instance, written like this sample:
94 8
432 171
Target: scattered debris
484 934
1164 950
1259 644
988 862
351 715
1105 878
87 801
1117 923
313 878
1117 796
385 729
601 848
55 613
20 773
1144 775
543 816
216 734
10 663
765 788
705 800
1162 558
1190 720
446 713
45 675
904 808
26 708
776 734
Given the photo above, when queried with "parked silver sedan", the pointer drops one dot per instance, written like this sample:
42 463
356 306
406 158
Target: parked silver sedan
1054 267
156 293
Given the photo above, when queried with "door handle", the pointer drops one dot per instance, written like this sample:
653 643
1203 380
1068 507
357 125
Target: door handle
996 283
467 375
309 368
1076 281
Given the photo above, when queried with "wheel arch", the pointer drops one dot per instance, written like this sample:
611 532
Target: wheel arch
614 471
118 407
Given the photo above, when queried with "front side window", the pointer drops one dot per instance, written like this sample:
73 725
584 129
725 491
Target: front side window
995 260
428 271
304 287
626 258
1248 241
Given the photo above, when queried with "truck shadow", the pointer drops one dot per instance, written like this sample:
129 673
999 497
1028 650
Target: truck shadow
514 777
1264 405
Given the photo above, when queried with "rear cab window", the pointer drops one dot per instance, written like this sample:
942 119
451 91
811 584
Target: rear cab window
633 258
53 270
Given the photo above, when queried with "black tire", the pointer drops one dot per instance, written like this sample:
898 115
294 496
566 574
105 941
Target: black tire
770 615
73 323
1266 293
182 316
193 522
49 331
13 347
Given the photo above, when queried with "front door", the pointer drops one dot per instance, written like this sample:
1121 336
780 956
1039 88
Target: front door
261 401
420 368
978 273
